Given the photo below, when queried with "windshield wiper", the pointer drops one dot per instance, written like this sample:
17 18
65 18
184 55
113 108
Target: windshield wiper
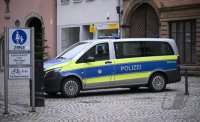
60 57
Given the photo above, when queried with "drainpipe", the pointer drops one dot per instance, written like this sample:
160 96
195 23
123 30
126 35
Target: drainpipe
118 8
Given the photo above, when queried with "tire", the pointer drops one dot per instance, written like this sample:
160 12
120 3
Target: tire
70 88
157 82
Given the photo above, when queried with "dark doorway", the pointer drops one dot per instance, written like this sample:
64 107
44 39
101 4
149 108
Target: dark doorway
2 48
36 23
144 22
39 52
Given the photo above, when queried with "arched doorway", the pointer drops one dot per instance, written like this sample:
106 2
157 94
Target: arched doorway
2 52
39 54
37 24
144 22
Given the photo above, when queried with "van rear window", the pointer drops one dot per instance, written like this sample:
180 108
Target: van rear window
141 49
157 49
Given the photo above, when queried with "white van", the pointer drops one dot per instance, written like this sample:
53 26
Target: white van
108 63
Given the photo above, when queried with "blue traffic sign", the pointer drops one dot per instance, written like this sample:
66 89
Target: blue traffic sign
19 37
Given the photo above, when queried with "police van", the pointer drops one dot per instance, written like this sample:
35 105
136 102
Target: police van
108 63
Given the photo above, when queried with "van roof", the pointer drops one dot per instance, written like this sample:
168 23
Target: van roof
170 41
131 39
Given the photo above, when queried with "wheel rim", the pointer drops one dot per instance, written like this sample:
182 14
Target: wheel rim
71 87
158 82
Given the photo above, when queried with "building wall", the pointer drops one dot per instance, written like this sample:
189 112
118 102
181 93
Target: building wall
128 8
171 3
81 15
185 12
95 11
168 11
25 9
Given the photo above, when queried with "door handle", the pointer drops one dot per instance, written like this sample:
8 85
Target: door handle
108 62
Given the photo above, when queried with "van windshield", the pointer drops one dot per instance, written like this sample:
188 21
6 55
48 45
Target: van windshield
73 51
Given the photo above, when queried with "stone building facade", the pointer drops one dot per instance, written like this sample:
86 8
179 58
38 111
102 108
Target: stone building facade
40 14
178 19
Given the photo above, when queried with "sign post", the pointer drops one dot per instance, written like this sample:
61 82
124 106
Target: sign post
6 73
19 58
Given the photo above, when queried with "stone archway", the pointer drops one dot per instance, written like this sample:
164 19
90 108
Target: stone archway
39 57
29 17
2 51
141 19
37 24
36 20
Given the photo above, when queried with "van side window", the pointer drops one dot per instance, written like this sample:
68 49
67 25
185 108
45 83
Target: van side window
128 49
140 49
157 49
99 52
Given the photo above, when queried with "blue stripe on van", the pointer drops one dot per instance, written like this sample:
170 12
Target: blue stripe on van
144 67
127 68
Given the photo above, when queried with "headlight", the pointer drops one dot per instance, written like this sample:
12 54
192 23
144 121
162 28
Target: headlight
56 69
51 72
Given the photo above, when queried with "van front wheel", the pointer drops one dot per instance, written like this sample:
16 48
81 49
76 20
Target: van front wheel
70 88
157 83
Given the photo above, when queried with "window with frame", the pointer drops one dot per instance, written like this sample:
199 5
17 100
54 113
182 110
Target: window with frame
99 52
77 1
157 49
141 49
184 33
128 49
65 1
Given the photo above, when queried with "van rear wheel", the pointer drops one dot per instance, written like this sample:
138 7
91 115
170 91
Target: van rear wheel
70 87
157 82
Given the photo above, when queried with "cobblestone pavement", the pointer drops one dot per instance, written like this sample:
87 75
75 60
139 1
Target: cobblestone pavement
110 105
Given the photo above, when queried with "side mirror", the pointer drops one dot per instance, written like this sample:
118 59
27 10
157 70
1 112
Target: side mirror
90 59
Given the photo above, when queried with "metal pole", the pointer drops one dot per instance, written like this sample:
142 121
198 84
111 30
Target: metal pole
33 68
119 4
186 82
6 39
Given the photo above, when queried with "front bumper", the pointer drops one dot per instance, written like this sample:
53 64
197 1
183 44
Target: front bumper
52 82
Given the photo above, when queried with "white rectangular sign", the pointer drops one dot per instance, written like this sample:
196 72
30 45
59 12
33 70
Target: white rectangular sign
101 27
19 59
19 73
19 39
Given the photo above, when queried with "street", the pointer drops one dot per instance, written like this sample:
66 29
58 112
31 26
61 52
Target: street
106 105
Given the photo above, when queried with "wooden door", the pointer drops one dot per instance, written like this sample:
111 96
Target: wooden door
144 22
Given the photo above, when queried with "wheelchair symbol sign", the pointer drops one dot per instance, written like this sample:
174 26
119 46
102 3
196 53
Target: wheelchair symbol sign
19 37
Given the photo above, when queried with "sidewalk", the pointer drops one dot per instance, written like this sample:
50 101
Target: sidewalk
110 105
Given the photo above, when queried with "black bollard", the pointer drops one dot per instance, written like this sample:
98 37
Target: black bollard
186 82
